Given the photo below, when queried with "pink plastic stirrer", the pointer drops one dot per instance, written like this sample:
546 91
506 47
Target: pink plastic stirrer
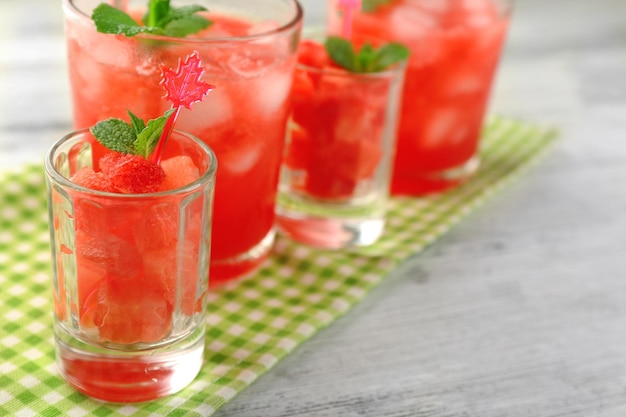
183 88
348 7
119 4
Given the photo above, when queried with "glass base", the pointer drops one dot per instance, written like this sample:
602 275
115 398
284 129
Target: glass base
224 270
329 232
422 183
120 376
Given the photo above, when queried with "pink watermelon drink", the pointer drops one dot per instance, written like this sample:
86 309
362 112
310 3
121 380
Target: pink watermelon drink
455 47
342 133
248 49
130 240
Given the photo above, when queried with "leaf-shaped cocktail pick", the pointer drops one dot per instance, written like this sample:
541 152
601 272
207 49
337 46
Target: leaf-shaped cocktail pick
348 7
183 88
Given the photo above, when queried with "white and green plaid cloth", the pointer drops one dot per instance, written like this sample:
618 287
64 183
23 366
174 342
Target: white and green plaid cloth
252 323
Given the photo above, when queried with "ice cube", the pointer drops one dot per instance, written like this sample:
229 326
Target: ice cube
250 63
240 160
478 12
116 51
465 83
489 38
445 126
411 24
276 45
216 109
87 75
270 92
148 66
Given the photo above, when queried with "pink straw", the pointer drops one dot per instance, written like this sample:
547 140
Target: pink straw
119 4
348 7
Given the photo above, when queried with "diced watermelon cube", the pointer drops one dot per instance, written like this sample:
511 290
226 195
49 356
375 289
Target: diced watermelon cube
313 54
179 171
127 310
88 178
132 174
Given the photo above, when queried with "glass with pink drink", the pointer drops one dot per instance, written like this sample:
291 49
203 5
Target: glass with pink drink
130 267
455 48
248 49
335 179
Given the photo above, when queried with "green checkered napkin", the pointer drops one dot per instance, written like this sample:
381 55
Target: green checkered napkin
253 323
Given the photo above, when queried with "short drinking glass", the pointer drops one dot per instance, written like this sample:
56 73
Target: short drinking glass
129 276
335 179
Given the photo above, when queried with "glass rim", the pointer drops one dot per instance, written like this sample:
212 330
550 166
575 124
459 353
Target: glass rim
54 174
296 20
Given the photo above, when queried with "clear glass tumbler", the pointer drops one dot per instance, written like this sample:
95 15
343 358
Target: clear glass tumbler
130 276
335 178
455 48
249 54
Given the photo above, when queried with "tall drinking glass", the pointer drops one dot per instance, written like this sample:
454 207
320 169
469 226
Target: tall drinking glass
455 48
129 275
249 54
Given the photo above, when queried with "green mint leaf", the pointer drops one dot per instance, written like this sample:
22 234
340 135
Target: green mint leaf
137 124
149 137
367 59
108 19
183 26
136 137
341 51
390 54
161 19
157 10
371 5
115 134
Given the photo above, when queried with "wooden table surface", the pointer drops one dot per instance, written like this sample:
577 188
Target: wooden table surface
518 311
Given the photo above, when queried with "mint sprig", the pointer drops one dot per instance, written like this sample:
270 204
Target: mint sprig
160 19
366 59
136 137
372 5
